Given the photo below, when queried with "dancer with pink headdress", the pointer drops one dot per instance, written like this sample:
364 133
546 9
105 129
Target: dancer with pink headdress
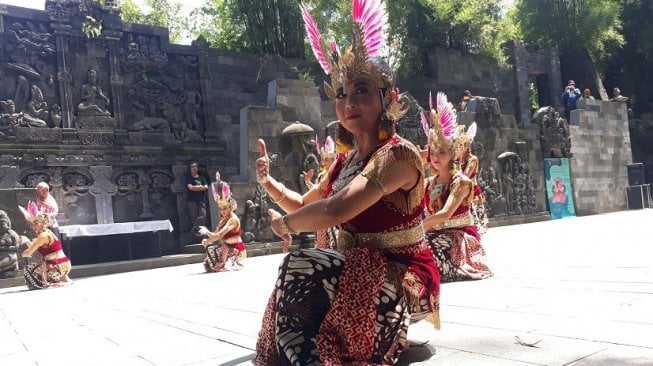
54 267
353 305
470 166
225 241
450 230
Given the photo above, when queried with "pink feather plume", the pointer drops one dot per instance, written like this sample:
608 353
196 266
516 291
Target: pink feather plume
329 145
226 191
446 115
315 38
374 18
471 131
425 123
317 144
32 208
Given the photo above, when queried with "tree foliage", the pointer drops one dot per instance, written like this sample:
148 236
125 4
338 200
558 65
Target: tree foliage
257 26
164 13
568 24
632 68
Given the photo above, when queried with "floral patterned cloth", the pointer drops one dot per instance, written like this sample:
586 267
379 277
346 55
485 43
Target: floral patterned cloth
353 306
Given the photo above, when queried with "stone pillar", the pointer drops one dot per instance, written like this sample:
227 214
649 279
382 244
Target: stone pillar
519 58
600 148
299 100
102 189
64 77
178 188
116 79
211 131
255 123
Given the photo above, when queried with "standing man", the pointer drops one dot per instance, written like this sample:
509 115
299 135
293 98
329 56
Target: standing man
197 187
569 97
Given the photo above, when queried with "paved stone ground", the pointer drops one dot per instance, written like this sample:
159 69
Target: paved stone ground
582 288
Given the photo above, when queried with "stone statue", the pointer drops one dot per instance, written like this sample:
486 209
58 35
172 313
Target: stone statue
617 97
9 117
55 115
94 102
554 133
297 148
192 104
9 243
36 112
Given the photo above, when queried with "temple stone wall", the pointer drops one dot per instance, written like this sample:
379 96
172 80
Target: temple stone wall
600 147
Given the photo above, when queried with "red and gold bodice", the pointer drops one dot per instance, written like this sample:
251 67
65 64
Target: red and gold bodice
53 252
437 195
470 167
396 219
232 236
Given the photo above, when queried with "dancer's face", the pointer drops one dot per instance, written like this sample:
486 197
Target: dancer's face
358 107
440 159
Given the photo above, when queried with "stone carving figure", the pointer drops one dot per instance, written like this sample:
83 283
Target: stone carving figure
94 102
36 112
491 187
554 133
9 243
192 104
55 115
9 117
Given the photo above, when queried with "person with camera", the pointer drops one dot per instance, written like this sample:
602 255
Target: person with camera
570 96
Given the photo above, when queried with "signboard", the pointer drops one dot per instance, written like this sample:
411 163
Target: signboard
558 188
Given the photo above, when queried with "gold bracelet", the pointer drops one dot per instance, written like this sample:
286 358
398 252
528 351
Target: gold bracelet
284 226
282 196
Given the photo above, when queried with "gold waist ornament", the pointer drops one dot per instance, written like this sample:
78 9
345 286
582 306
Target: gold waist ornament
393 239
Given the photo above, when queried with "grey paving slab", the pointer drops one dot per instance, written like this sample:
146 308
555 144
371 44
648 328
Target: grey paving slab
618 355
582 286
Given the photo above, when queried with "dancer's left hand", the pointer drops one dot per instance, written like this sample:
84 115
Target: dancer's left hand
275 225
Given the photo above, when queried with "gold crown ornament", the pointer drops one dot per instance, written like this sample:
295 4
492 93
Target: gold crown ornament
326 151
33 215
360 61
441 123
224 199
465 138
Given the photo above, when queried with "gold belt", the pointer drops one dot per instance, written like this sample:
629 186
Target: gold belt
392 239
464 219
232 240
56 255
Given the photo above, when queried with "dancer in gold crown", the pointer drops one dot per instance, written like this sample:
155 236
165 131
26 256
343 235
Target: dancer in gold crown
353 305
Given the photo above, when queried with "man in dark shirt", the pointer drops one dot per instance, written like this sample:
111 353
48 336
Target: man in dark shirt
197 187
569 97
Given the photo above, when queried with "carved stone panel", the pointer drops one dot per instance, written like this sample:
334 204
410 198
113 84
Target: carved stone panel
554 133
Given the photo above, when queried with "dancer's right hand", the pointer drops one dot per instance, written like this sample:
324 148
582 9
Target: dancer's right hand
262 164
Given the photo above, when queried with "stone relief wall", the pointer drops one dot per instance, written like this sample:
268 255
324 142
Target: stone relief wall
111 118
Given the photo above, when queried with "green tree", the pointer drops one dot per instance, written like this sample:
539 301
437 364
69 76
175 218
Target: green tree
164 13
257 26
632 68
570 24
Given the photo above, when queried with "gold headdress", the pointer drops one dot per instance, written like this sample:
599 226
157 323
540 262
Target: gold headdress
225 199
33 215
362 60
443 119
328 151
465 138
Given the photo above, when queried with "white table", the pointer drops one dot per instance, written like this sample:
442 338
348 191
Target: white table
76 231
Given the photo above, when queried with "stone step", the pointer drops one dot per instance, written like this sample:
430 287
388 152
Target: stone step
505 220
100 269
